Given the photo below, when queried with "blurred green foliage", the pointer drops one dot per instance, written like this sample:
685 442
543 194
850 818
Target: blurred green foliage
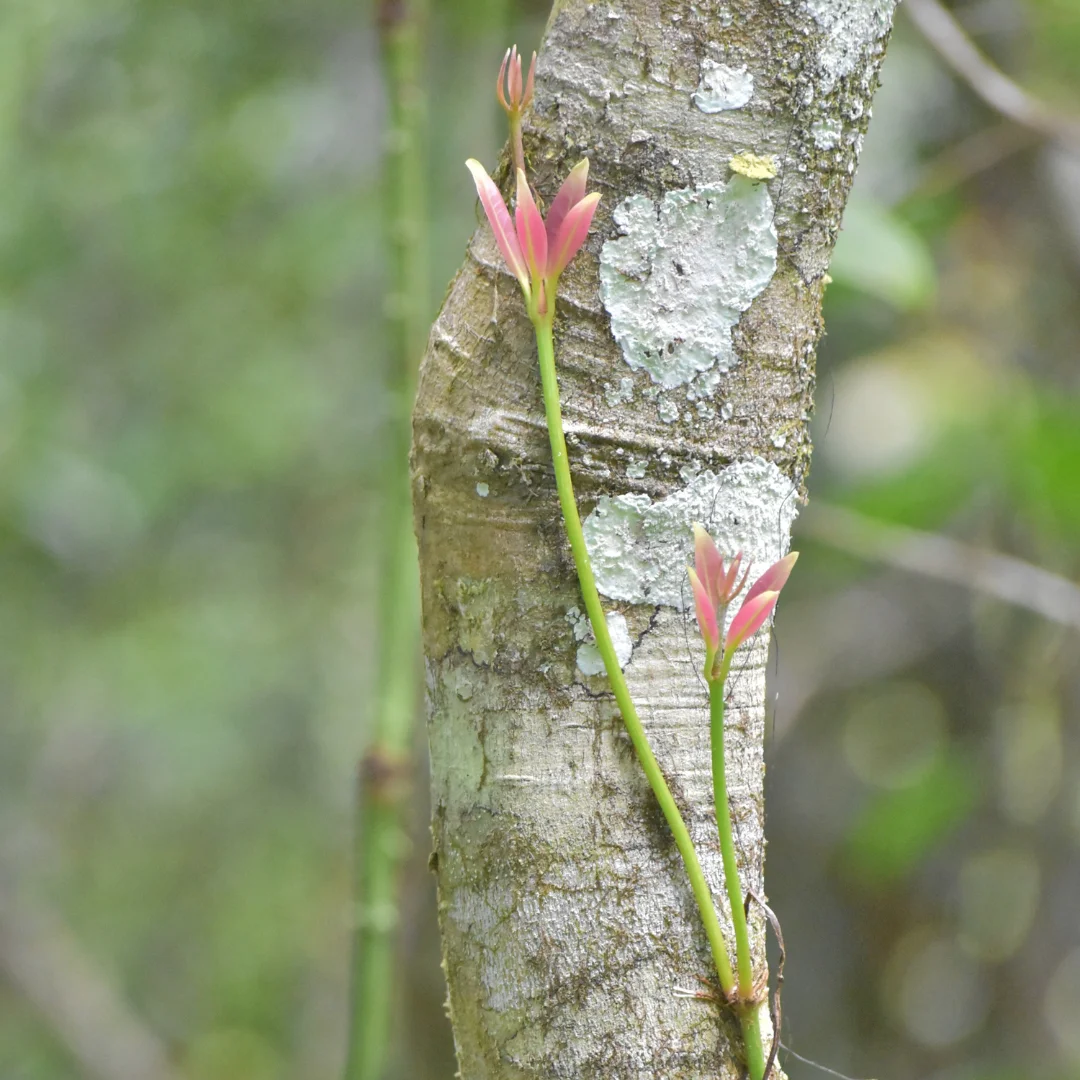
879 255
898 829
190 335
949 401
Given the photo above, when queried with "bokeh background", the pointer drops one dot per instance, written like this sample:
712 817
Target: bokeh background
192 361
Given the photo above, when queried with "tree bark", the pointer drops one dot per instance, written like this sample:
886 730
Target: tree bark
685 345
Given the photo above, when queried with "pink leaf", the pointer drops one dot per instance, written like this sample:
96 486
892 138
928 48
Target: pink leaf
749 620
530 229
570 194
708 562
774 579
515 79
732 584
706 613
501 225
500 86
572 234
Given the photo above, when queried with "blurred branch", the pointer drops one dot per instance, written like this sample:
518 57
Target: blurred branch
1063 170
948 38
47 965
932 555
384 791
977 153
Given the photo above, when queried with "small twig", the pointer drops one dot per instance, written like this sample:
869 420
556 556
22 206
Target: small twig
814 1064
950 41
775 1013
935 556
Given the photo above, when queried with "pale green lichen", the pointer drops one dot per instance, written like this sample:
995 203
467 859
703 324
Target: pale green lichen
827 133
640 549
668 411
589 660
475 603
621 394
849 28
722 87
704 386
456 740
681 275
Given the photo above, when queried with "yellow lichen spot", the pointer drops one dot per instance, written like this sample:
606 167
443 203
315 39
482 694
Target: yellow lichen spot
754 166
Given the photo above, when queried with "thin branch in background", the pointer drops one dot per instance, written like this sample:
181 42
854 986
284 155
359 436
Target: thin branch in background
42 959
383 795
932 555
948 38
969 157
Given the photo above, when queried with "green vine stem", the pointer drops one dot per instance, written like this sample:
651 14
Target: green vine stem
383 781
746 1005
546 350
516 143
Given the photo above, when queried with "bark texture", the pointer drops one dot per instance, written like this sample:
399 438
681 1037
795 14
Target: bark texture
685 345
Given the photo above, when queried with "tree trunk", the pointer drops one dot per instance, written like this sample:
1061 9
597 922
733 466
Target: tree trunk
685 345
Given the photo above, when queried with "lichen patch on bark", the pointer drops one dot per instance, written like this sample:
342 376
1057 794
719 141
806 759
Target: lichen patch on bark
723 87
682 273
640 549
849 28
589 660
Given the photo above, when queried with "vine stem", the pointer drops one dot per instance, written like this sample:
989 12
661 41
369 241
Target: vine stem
546 350
747 1007
516 143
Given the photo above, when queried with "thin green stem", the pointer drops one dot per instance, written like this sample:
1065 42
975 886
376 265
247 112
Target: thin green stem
749 1021
743 960
516 144
546 349
744 963
383 795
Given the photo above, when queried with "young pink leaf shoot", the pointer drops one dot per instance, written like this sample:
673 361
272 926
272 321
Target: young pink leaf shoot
570 194
530 230
513 82
706 613
716 586
500 82
749 619
759 602
536 251
513 97
708 562
571 235
499 218
721 585
774 579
